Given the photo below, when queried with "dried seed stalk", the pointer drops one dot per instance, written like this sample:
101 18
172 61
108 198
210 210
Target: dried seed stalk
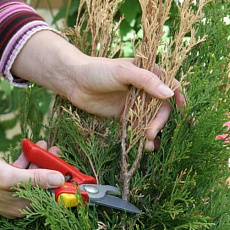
138 114
99 15
172 58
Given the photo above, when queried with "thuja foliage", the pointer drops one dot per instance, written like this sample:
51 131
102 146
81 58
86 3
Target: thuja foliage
182 185
13 98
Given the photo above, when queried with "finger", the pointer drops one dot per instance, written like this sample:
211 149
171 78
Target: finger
10 205
7 216
54 150
22 162
149 145
42 144
46 178
157 124
179 97
157 70
153 145
157 143
144 79
12 176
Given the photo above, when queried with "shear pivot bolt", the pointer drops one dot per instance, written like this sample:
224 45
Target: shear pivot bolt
91 189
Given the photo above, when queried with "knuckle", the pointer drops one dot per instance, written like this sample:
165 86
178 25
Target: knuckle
40 178
177 84
122 67
37 178
147 80
19 214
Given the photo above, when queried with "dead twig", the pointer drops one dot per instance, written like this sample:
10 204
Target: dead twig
137 109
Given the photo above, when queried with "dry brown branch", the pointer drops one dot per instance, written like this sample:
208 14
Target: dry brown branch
99 15
172 58
138 114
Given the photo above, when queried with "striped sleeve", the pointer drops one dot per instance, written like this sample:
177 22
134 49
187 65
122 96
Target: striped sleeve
18 22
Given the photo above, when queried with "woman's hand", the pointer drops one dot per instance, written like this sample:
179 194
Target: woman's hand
23 171
94 84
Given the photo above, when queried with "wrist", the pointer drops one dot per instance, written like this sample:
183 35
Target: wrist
47 59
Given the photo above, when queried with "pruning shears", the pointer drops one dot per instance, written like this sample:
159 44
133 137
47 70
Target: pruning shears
76 182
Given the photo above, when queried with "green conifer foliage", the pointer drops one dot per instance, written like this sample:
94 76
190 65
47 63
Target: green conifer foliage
180 186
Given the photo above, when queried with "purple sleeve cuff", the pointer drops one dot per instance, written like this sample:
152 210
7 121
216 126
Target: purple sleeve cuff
18 22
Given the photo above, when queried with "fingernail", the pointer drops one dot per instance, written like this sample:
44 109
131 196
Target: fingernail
149 146
152 135
165 91
55 180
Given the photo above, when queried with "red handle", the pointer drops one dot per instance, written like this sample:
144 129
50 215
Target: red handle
47 160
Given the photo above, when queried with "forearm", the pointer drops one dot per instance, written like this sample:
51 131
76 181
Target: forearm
18 23
46 59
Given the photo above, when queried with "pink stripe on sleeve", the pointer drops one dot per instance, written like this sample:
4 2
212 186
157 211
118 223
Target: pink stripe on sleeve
12 10
15 47
19 34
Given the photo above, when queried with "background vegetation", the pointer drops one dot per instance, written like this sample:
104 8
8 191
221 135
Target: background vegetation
180 186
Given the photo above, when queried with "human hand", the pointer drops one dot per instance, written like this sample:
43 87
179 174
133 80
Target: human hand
102 88
94 84
23 171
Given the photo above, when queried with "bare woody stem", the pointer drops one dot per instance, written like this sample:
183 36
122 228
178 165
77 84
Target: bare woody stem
154 15
52 140
124 166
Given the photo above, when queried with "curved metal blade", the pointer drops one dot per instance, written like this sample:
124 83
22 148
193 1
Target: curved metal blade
98 191
117 203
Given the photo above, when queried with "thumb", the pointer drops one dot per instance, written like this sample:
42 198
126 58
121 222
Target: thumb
46 178
146 80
